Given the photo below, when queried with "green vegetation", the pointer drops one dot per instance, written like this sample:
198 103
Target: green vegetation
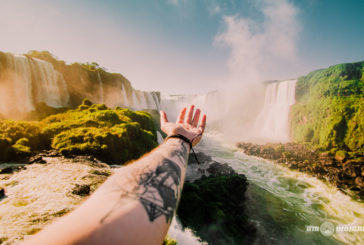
214 208
329 113
169 241
114 136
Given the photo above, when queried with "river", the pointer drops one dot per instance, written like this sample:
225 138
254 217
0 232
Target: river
283 202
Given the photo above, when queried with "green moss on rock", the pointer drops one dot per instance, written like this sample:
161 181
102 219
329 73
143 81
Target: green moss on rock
329 109
113 136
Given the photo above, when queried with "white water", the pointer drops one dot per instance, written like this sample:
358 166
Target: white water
211 104
101 88
51 87
282 202
22 79
272 122
27 81
124 96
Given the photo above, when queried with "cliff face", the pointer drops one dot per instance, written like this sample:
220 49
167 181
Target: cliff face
329 113
38 77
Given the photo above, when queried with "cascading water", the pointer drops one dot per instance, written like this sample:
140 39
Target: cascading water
22 86
27 81
101 88
281 202
51 87
210 103
124 96
272 122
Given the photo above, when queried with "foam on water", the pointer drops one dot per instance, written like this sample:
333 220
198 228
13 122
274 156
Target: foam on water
294 200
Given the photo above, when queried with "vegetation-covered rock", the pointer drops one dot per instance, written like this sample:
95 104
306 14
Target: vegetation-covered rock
113 136
331 166
329 112
214 207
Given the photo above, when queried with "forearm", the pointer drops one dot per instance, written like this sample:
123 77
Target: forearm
134 206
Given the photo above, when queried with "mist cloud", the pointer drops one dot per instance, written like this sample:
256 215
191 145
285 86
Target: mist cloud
257 49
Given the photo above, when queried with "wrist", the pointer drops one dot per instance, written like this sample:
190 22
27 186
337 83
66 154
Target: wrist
180 139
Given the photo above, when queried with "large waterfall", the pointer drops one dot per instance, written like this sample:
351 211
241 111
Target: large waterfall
241 115
272 123
26 81
211 104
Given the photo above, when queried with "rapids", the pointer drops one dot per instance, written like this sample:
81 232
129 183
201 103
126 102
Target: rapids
283 202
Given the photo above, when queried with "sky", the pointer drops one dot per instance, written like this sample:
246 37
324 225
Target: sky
189 46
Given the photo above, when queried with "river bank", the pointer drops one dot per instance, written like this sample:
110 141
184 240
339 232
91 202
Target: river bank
337 168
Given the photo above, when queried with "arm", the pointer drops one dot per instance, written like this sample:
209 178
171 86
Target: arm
137 203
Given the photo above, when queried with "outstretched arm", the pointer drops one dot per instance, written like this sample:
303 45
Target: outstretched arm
137 203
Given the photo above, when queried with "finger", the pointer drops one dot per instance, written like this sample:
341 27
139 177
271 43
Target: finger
181 116
196 118
190 113
163 116
203 124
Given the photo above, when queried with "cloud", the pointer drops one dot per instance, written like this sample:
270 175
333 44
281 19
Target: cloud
257 49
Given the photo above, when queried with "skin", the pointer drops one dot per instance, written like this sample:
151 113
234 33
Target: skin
137 203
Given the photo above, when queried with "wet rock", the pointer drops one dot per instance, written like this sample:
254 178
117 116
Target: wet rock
11 169
202 158
215 208
216 169
81 190
338 167
7 170
2 193
37 159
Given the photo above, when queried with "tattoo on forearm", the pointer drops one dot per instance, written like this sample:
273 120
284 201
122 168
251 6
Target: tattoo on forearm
157 190
161 191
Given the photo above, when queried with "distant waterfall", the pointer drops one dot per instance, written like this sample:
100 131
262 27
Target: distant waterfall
50 85
210 103
101 88
143 100
27 81
272 123
124 96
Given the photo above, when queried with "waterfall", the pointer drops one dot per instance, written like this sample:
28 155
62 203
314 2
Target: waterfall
22 85
210 104
101 88
124 96
156 100
135 102
26 81
51 87
272 123
152 100
143 100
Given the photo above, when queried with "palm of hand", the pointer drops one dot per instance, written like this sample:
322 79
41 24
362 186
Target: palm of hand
188 128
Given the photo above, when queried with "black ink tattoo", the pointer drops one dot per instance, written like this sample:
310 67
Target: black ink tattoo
161 190
157 190
182 154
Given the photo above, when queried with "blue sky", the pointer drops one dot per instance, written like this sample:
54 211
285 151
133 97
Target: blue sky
189 46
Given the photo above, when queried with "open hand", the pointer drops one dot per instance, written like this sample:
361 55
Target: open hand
188 128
